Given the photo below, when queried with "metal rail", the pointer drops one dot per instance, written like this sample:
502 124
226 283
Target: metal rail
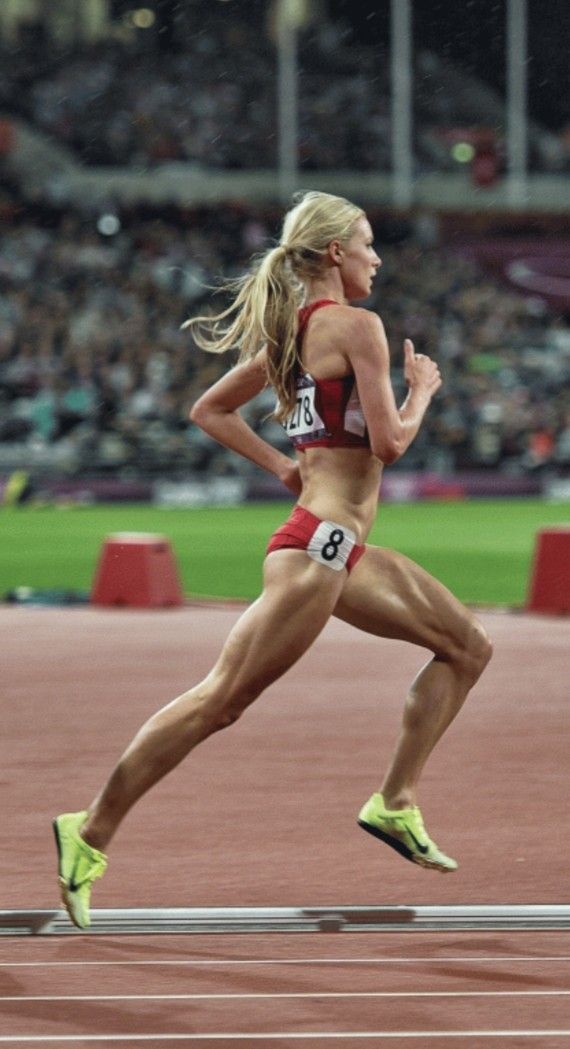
229 920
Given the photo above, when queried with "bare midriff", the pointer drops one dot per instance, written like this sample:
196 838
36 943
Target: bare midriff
341 485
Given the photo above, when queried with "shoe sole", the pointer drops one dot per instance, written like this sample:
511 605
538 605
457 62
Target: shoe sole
403 850
62 882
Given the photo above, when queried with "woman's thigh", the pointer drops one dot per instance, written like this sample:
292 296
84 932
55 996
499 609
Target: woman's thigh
389 595
298 598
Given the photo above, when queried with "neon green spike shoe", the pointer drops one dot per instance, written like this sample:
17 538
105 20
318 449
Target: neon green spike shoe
404 831
79 866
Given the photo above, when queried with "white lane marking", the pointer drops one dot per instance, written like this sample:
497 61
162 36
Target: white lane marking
280 995
282 1036
492 959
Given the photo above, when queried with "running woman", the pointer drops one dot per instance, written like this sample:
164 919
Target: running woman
295 327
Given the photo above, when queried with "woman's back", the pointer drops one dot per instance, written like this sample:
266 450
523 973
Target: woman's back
323 329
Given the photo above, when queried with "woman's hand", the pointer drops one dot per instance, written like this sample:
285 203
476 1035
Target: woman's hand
420 371
291 477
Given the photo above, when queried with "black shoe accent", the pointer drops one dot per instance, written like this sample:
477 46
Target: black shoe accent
57 841
394 843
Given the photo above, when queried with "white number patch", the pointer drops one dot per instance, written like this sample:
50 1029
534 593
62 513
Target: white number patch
331 545
304 420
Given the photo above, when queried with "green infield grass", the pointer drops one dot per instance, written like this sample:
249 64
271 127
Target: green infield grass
482 549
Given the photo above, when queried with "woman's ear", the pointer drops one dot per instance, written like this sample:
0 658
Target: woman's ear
335 252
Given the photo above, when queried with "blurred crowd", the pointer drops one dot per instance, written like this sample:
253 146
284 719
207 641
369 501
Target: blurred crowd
97 377
211 101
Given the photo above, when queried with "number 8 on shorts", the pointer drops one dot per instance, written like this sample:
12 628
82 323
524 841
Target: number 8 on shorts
331 544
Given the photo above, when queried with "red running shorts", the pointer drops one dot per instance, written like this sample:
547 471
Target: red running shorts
327 542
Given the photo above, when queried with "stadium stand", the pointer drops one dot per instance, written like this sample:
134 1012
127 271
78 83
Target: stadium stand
213 103
96 376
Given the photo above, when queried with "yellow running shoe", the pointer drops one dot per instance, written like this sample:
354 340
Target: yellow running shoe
404 831
79 866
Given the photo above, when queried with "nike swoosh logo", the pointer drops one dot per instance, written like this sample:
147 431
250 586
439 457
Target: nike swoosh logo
72 884
422 848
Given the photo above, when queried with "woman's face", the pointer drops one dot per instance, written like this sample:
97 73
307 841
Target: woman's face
358 261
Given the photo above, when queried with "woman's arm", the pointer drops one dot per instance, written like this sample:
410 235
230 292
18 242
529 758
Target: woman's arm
216 412
391 429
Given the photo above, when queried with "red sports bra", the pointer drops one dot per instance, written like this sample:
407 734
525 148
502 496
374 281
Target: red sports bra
327 413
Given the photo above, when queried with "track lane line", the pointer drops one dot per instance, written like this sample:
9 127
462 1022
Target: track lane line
408 960
282 1036
278 995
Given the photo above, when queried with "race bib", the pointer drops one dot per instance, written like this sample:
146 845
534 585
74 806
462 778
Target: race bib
304 423
331 545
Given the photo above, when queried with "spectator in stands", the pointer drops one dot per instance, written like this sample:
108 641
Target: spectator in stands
92 357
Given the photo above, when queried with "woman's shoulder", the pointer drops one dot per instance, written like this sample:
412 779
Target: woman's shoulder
353 321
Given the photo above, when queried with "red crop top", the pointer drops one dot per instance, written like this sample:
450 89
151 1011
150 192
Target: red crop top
328 413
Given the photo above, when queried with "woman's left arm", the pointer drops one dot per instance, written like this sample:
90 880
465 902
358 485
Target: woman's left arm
216 412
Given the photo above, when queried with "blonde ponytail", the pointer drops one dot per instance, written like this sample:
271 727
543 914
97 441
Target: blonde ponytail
266 301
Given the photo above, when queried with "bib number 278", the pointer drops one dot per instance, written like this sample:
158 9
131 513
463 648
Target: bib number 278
304 420
301 416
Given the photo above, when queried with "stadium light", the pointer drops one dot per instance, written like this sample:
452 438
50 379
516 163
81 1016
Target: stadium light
141 17
463 152
108 225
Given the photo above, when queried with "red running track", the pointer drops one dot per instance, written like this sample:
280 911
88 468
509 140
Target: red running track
263 815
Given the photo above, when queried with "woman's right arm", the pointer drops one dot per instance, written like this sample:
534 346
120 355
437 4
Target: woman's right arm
216 412
391 429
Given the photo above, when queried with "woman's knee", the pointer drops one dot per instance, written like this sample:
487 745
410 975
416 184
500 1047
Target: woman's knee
480 647
478 650
472 654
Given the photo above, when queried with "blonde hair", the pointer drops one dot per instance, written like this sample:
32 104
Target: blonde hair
263 313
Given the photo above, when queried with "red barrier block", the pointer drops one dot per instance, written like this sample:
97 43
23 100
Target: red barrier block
550 580
136 569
